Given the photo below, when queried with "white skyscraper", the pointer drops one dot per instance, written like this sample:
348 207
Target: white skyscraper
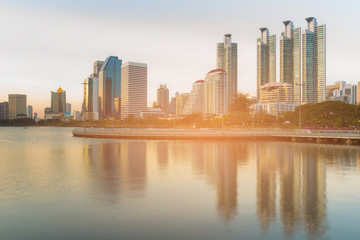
215 87
133 89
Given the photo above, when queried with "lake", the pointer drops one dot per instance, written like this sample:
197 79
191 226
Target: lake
55 186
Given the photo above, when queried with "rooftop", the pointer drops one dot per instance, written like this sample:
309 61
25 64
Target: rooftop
216 70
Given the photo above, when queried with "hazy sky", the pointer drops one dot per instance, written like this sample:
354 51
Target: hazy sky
47 43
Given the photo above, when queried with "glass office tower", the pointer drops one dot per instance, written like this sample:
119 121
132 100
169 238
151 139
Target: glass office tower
226 59
266 59
91 99
290 58
109 86
314 62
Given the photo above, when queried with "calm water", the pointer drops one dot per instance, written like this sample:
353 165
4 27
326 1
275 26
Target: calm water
55 186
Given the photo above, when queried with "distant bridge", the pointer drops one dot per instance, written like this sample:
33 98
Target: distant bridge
295 135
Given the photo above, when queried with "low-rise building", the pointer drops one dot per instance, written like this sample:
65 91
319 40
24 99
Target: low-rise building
342 91
152 113
275 98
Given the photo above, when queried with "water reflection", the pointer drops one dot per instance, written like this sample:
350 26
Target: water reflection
184 188
222 170
300 172
117 168
288 176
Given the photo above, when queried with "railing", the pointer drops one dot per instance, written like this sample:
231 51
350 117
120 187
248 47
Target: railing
217 132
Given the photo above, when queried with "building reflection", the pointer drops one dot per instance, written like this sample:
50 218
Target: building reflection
221 168
290 179
300 172
117 168
266 184
289 183
218 162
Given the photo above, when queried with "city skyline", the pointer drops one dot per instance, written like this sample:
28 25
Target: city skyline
70 66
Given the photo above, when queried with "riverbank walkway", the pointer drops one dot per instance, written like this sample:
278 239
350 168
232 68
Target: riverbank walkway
295 135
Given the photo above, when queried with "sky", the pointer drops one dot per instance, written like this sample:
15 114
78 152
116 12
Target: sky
45 44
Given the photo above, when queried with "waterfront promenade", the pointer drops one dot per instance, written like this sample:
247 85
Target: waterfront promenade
295 135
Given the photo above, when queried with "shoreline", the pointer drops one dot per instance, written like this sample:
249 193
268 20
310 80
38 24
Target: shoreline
343 137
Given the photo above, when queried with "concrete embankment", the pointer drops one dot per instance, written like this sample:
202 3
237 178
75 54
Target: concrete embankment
316 136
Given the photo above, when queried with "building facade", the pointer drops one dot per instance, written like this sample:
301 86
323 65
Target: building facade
152 113
4 110
290 58
313 62
276 92
109 85
215 94
17 106
163 98
275 98
195 102
96 68
58 101
341 91
266 59
172 104
226 59
180 103
68 108
133 89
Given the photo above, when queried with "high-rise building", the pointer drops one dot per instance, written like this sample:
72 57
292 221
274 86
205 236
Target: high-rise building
91 99
117 102
133 89
215 97
163 98
195 102
96 68
68 108
266 59
29 111
180 103
172 105
314 62
290 58
35 115
17 106
58 101
4 110
226 59
109 86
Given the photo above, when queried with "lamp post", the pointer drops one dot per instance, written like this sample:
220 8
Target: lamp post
84 103
300 85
